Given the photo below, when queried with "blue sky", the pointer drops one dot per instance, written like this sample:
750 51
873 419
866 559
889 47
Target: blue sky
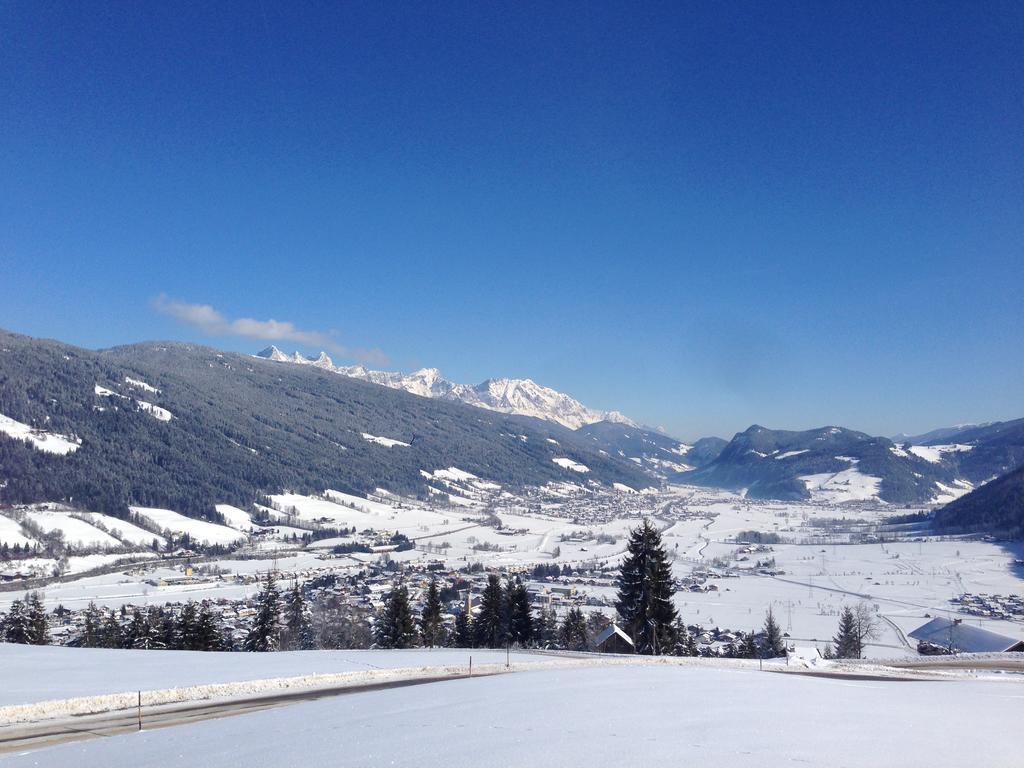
704 215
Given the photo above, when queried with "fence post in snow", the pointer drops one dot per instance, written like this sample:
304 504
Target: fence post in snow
140 710
470 666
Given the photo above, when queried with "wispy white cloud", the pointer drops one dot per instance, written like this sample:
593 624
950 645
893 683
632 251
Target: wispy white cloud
212 323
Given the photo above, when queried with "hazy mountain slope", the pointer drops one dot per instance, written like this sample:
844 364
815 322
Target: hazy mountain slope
996 507
940 435
656 452
830 462
987 451
523 397
231 426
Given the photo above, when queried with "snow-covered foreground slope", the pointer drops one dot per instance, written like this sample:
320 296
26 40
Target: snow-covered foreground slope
596 717
32 674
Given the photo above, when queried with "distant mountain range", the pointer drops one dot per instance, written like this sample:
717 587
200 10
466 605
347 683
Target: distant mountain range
522 397
942 434
838 464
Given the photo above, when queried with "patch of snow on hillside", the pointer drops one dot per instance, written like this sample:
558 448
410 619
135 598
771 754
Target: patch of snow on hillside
387 442
787 454
200 530
568 463
236 518
48 442
123 530
624 488
672 466
140 384
158 413
948 493
11 533
452 473
934 453
75 531
849 485
104 392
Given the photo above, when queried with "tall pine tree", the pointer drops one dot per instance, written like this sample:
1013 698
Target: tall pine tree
431 624
208 634
90 637
845 641
185 630
16 626
520 620
265 634
774 645
39 624
395 627
572 635
298 633
645 592
463 637
489 625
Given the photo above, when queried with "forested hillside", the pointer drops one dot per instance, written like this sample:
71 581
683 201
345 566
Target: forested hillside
185 427
996 508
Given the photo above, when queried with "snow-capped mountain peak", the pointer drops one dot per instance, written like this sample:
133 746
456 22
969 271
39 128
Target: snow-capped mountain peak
523 397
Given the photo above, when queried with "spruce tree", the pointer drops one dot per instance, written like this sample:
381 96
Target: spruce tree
573 634
168 630
298 634
774 645
463 636
111 634
520 620
748 648
137 633
185 629
645 592
684 643
395 627
91 628
16 627
546 628
208 635
431 624
39 625
151 637
691 645
264 635
846 643
489 625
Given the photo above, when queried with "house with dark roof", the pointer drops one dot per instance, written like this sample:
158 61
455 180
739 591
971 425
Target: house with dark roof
953 636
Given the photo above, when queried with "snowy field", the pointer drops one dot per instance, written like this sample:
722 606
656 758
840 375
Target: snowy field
200 530
596 717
